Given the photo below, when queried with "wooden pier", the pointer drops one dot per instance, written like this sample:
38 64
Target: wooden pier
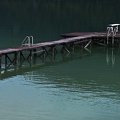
12 56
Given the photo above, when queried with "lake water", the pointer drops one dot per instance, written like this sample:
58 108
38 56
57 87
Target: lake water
81 86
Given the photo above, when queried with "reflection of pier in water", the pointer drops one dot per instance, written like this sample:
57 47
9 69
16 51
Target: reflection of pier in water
110 57
67 44
95 76
40 62
29 51
37 63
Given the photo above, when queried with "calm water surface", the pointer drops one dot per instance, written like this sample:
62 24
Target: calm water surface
73 87
80 88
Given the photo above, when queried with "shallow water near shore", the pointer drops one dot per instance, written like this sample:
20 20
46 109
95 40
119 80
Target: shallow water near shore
84 85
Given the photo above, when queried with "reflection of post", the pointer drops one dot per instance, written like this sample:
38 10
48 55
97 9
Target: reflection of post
31 59
15 68
34 56
112 57
43 53
107 57
0 63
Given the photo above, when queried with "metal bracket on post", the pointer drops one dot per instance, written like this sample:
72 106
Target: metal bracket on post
112 29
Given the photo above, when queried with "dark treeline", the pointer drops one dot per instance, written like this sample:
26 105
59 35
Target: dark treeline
49 18
97 12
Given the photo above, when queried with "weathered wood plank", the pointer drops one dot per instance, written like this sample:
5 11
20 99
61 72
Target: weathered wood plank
71 38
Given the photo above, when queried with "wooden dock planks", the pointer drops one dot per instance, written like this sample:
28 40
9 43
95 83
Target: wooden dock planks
70 37
9 50
93 34
44 44
86 38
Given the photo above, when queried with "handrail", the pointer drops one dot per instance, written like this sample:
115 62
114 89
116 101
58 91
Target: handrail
112 29
24 41
31 39
28 40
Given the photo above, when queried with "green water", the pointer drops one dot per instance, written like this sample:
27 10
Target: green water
81 86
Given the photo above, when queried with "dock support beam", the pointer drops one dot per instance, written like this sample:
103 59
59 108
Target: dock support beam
65 48
0 62
5 61
88 44
16 58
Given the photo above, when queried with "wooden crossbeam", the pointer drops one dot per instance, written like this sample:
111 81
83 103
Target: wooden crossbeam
101 43
65 47
21 56
35 52
11 61
88 44
52 50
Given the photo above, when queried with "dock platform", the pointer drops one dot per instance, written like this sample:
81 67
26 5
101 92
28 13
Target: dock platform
67 44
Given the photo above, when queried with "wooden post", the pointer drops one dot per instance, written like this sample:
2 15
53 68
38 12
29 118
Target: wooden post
43 55
30 55
21 56
15 61
35 54
73 47
62 50
5 61
0 62
16 58
53 51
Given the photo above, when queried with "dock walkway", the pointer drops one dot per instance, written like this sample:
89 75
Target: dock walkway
45 44
67 44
